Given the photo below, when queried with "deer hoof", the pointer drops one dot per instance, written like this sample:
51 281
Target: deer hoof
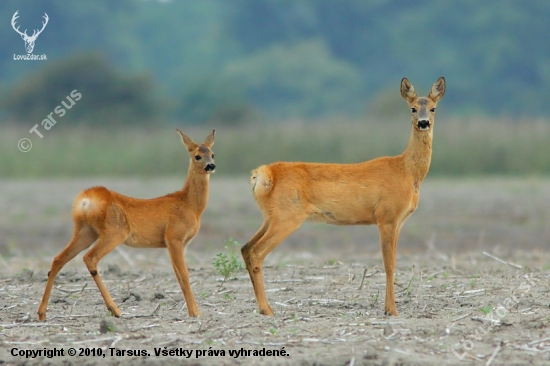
267 312
114 311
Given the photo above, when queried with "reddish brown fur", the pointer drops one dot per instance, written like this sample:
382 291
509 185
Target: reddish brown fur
383 191
109 218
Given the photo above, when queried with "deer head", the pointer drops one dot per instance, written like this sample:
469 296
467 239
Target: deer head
423 108
29 40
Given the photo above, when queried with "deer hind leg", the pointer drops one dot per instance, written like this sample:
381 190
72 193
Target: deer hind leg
245 249
108 241
176 249
389 234
83 237
254 254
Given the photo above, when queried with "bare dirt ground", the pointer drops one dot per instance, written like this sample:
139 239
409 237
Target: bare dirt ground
457 305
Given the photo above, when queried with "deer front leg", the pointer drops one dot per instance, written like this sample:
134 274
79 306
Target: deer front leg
388 243
177 256
106 243
254 254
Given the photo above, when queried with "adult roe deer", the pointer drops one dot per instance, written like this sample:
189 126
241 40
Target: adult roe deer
109 219
383 191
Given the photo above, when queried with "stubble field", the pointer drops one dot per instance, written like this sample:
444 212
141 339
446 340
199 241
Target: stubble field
457 305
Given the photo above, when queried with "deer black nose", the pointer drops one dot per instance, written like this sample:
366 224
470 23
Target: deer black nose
210 167
423 124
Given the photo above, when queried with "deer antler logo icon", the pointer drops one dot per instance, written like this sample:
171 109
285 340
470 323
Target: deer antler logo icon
29 40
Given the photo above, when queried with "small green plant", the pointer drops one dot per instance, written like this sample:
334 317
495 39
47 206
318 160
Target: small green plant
445 275
486 310
227 296
227 265
273 330
408 289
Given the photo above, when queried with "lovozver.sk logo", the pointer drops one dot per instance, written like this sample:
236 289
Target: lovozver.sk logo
29 40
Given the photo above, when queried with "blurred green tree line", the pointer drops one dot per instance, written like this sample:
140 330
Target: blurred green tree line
200 60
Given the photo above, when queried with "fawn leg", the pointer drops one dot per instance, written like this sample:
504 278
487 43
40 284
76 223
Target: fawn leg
177 256
106 243
83 237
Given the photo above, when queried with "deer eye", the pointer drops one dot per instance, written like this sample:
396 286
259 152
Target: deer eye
432 110
198 157
413 110
212 156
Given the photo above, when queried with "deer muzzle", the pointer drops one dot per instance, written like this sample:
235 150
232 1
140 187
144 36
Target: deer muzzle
423 124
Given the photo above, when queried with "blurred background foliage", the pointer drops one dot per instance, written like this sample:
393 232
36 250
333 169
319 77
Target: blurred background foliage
110 96
267 65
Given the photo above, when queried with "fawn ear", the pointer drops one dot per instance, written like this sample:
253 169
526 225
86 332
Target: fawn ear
407 91
438 90
209 141
191 145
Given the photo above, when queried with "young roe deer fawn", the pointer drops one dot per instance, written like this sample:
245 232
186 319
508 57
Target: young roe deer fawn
383 191
109 219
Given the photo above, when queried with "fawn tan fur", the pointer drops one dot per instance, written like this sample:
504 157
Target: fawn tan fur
109 219
383 192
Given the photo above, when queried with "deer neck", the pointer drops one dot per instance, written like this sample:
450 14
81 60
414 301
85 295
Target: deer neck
418 155
195 190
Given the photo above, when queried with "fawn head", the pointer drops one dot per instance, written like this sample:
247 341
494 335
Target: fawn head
202 157
423 108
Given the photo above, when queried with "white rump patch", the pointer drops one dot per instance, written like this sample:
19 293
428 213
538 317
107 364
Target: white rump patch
85 203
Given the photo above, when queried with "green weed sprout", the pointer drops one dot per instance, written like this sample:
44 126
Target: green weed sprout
227 265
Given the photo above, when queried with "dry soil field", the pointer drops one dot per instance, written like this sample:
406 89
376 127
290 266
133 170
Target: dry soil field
457 305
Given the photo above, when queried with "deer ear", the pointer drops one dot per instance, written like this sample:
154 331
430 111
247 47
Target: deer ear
438 90
191 145
407 91
209 141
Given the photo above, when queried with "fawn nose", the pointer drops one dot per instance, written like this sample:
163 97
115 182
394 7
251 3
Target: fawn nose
423 124
210 167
